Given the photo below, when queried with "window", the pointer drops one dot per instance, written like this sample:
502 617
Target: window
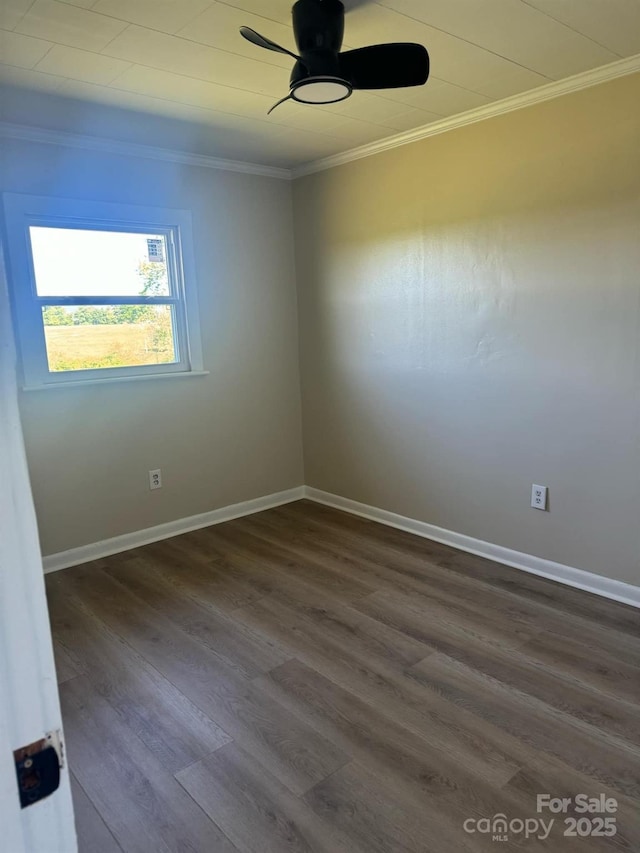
101 291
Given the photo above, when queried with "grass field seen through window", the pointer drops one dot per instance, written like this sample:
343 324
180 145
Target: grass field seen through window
87 347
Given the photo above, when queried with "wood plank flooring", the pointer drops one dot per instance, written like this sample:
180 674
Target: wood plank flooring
305 680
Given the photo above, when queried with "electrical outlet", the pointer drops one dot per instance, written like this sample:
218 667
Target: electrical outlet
155 479
538 497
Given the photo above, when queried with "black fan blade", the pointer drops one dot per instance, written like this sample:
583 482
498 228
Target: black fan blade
262 41
281 101
385 66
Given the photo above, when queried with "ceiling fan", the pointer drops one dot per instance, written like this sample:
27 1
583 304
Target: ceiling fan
324 75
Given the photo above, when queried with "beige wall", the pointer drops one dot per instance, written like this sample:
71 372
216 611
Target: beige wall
469 311
219 439
469 325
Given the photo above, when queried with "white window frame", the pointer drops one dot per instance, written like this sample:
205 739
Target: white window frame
23 211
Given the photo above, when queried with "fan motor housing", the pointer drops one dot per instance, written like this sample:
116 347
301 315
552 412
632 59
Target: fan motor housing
318 25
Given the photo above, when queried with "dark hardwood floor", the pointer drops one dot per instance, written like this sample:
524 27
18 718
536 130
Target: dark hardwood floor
305 680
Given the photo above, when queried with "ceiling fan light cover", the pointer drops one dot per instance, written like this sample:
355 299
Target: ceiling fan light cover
321 90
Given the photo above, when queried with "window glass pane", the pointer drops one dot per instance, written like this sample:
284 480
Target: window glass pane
75 262
87 337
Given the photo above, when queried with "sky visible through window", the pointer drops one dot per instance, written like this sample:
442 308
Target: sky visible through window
74 262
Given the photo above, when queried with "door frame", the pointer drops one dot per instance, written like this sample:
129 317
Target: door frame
29 699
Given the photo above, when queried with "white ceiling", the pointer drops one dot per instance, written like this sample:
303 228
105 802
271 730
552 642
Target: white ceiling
185 60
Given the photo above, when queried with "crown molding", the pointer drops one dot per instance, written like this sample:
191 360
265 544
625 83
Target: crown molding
130 149
619 68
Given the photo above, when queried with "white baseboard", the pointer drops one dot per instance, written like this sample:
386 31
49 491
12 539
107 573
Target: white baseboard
98 550
606 587
578 578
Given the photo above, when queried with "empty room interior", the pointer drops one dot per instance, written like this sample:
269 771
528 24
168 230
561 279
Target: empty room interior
320 426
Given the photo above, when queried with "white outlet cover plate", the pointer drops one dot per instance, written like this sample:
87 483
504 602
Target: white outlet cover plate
155 479
539 497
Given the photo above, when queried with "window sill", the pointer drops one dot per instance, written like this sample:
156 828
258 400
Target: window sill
55 386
